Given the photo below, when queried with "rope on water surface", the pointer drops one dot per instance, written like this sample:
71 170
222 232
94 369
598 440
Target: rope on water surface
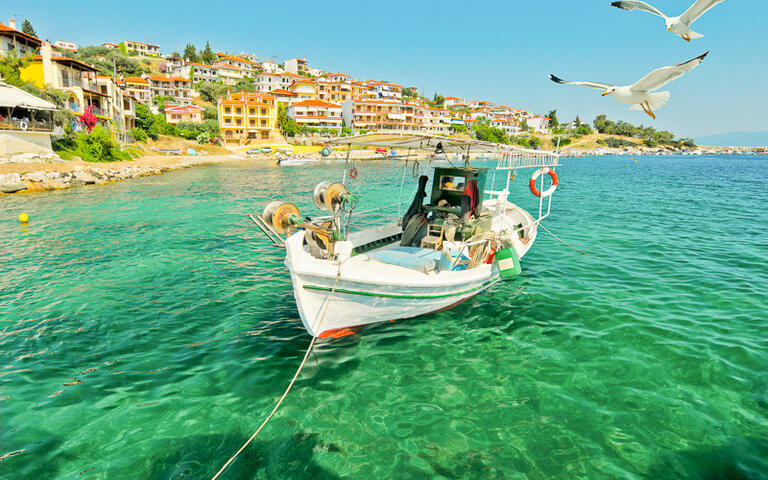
562 241
290 385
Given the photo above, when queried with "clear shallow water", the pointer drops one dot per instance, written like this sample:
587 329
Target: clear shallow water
146 329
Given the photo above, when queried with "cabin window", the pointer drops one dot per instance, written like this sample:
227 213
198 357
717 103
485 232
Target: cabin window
452 183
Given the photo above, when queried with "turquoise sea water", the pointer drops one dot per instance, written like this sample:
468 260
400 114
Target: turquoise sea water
146 329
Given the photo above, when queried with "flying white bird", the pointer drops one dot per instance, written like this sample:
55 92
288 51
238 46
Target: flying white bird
639 95
678 25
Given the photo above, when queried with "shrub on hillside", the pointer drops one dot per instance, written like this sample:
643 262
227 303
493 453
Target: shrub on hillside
96 146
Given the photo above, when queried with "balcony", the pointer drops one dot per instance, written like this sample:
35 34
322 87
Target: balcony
26 125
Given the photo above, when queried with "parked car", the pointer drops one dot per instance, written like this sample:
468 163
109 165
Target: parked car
266 149
253 151
381 150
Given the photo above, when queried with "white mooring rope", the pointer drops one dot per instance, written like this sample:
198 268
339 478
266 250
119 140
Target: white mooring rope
562 241
290 385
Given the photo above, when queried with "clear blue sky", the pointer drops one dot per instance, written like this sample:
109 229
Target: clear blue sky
499 51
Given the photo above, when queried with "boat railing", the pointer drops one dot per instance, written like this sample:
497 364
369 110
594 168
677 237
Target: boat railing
515 160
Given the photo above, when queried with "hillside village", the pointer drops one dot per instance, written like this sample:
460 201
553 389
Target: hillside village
254 101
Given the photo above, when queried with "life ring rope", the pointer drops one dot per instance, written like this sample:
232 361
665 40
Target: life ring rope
353 173
24 125
552 174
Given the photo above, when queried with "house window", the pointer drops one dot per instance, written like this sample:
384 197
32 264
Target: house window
238 110
263 123
252 111
263 111
227 110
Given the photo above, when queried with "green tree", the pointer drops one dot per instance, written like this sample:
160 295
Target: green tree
192 74
27 28
245 84
210 92
438 101
288 125
409 92
534 142
207 56
553 122
190 53
146 121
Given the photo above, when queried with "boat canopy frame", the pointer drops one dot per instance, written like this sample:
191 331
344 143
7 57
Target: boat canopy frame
509 158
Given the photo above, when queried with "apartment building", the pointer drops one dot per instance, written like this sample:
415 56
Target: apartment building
509 127
16 41
196 72
295 65
304 89
138 87
361 91
334 91
247 116
141 49
73 76
122 105
316 114
268 81
433 120
381 115
284 97
385 90
64 45
538 123
455 102
170 86
269 66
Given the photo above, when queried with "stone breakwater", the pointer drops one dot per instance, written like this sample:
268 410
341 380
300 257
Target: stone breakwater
40 181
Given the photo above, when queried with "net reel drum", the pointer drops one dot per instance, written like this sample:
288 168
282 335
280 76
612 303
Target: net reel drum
282 217
329 196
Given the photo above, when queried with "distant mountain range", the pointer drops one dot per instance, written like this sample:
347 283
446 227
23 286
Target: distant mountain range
735 139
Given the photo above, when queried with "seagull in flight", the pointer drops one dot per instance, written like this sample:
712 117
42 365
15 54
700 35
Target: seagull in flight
639 95
678 25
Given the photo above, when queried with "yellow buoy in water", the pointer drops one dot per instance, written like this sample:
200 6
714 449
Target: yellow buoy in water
23 218
635 161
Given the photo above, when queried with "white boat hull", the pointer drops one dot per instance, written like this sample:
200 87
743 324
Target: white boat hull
333 297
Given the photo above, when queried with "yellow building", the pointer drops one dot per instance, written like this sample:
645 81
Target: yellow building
245 117
304 89
73 76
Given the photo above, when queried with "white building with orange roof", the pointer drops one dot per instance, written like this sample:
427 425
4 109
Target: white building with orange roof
176 112
138 87
269 66
381 115
435 120
287 79
284 97
538 123
267 81
246 117
12 40
316 114
454 102
510 127
305 89
295 65
170 86
197 72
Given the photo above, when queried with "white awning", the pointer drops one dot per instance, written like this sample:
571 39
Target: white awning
13 97
396 116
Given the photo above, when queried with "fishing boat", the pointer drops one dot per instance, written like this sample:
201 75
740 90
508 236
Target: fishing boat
450 245
296 161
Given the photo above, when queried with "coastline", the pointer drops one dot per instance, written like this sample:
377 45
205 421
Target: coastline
40 176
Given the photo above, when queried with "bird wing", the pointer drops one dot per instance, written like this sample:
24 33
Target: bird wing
630 5
699 8
662 76
599 86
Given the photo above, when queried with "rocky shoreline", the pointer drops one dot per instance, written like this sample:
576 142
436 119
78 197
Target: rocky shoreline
49 172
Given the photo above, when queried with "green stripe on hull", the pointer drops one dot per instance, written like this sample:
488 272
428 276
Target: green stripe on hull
394 295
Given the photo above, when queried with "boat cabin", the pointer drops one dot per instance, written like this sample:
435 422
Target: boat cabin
450 186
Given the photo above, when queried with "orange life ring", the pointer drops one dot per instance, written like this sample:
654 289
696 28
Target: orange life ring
536 175
353 174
